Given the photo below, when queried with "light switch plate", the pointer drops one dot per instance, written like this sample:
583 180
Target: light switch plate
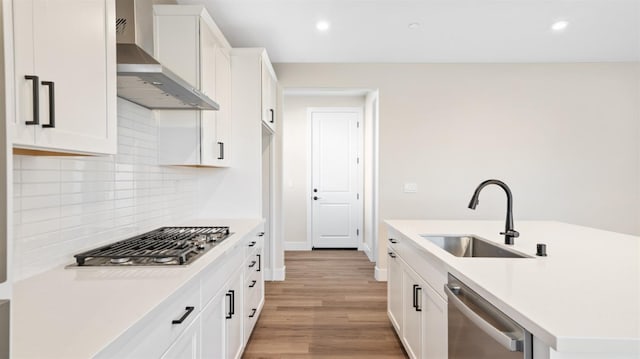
410 187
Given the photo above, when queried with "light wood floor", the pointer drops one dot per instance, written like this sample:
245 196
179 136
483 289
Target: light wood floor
329 306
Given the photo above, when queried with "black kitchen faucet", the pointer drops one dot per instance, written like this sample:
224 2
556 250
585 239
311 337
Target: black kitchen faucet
509 233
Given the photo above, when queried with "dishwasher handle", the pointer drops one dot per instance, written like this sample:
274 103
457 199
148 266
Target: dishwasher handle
512 344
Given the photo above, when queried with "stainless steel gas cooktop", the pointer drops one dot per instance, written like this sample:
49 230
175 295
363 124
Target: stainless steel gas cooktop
160 247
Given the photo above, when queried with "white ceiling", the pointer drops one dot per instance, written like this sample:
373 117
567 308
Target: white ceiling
450 30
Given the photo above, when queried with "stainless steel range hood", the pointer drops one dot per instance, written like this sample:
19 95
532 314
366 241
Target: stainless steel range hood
141 78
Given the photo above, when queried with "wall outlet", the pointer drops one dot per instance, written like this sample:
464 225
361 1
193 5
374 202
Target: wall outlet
410 187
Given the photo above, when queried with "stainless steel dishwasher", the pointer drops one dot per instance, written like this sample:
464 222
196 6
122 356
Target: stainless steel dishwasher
477 329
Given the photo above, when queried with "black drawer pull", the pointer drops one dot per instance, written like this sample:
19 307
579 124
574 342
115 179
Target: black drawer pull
232 298
259 262
221 144
253 284
261 234
418 309
392 255
253 313
393 240
188 311
233 302
252 243
52 104
36 100
253 264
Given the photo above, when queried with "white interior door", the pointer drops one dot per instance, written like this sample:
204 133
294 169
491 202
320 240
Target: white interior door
335 194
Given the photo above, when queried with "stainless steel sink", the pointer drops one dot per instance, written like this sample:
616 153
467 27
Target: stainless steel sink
471 246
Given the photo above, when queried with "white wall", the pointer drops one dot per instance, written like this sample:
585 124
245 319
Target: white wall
63 205
295 161
563 136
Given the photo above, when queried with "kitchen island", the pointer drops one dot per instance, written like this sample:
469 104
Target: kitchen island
581 301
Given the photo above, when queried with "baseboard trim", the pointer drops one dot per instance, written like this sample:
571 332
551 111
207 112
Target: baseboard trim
278 274
367 251
296 246
380 274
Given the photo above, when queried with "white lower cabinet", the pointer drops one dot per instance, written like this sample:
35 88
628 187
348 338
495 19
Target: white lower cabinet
394 290
434 325
417 312
253 285
213 323
412 288
234 309
205 318
187 346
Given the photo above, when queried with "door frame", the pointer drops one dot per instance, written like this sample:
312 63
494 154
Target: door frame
359 177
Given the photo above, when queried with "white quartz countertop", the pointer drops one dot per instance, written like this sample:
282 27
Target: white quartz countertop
77 312
583 297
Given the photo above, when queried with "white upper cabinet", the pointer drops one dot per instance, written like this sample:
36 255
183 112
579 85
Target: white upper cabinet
188 42
64 76
269 94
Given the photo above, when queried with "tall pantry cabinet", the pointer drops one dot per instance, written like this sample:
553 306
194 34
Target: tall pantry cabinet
188 42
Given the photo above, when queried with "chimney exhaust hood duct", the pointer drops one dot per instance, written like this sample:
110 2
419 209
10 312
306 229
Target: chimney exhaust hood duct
141 78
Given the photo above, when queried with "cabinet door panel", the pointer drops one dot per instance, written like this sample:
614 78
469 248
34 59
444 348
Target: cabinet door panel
213 324
412 307
223 96
24 65
234 324
394 291
434 329
209 149
187 346
73 48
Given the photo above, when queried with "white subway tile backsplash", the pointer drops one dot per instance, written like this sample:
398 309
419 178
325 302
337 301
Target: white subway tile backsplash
35 202
64 205
37 189
40 163
39 176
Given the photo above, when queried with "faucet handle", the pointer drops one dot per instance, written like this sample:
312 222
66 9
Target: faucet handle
511 233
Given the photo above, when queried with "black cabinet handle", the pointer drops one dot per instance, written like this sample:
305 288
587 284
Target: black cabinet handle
393 240
253 264
315 190
253 284
231 294
36 99
188 311
253 313
416 288
392 255
229 315
233 302
221 144
261 234
272 115
252 243
52 104
259 262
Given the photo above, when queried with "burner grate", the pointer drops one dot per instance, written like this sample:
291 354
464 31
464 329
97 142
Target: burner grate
163 246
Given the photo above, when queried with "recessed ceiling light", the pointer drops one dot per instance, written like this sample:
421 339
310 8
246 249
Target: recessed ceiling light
560 25
414 25
322 25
